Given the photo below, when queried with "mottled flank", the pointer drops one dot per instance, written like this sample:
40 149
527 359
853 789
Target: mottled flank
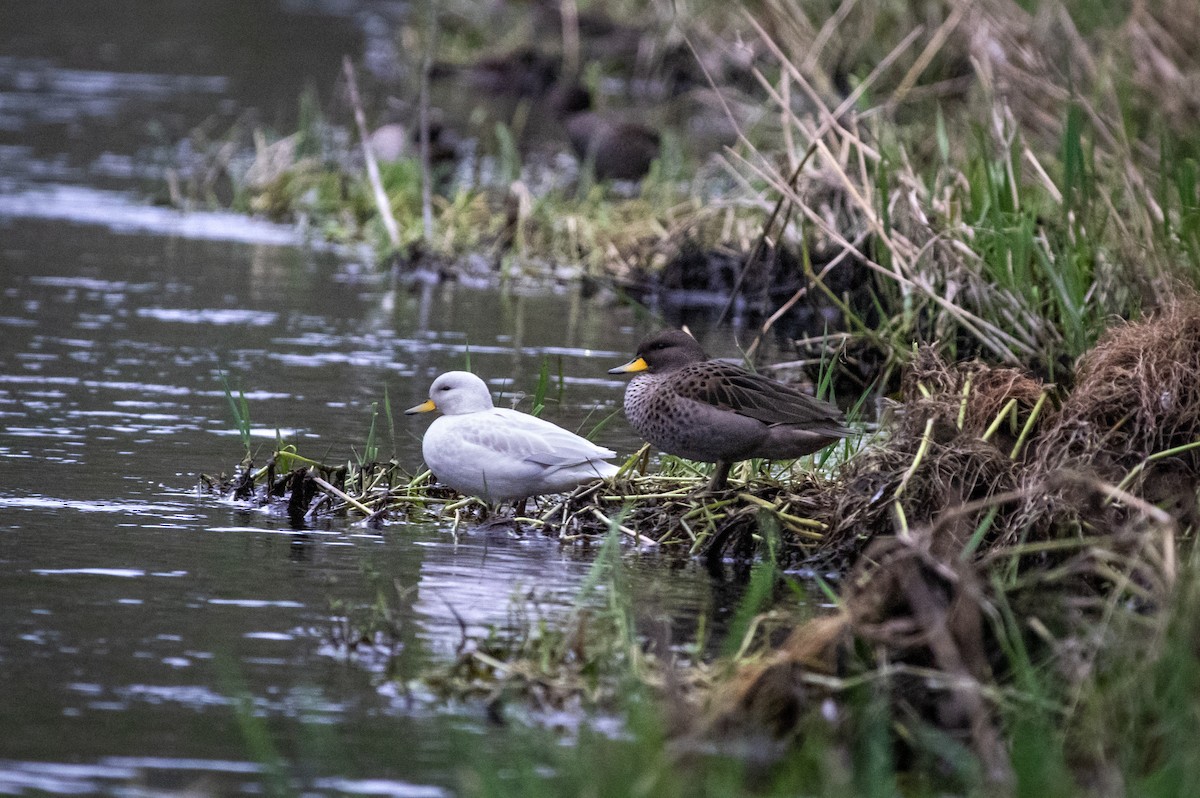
499 454
717 412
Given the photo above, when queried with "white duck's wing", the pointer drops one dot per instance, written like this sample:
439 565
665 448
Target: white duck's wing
476 456
502 454
539 441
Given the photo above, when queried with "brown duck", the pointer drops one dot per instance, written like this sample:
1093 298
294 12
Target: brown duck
616 147
717 412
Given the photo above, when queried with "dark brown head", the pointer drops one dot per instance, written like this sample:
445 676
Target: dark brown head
664 352
568 97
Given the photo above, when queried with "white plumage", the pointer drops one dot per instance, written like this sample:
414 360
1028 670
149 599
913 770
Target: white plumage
499 454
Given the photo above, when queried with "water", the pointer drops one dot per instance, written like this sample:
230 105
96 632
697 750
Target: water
153 639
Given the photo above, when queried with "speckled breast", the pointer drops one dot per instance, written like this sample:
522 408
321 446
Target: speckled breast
668 421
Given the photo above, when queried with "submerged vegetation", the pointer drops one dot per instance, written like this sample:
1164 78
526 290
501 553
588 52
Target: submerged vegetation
953 203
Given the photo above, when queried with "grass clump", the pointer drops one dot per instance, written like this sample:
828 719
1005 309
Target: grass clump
1010 601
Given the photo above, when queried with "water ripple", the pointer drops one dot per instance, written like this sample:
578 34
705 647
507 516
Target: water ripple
124 573
168 511
217 316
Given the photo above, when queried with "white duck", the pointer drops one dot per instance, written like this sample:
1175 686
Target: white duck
499 454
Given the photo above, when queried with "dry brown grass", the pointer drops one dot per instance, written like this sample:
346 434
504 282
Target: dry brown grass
1069 549
1137 391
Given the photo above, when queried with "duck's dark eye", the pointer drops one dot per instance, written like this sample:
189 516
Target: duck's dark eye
444 388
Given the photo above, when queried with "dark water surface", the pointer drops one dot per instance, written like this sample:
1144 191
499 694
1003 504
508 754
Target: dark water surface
152 639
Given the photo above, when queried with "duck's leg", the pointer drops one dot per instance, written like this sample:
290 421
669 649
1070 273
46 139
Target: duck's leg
719 477
501 520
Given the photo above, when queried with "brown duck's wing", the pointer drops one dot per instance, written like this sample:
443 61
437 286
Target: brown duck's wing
731 387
